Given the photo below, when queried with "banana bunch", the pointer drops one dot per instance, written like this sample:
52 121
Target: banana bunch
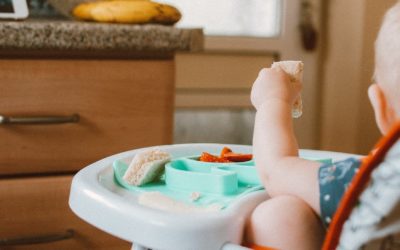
127 11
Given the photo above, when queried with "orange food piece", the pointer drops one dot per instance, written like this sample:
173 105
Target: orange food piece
226 155
224 151
238 157
207 157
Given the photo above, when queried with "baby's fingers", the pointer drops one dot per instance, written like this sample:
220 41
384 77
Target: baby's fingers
298 86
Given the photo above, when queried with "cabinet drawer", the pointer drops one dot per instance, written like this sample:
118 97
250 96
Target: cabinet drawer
39 206
122 105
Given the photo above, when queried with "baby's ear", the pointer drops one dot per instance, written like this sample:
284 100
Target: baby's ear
384 113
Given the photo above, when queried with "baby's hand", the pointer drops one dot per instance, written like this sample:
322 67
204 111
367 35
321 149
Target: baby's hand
274 84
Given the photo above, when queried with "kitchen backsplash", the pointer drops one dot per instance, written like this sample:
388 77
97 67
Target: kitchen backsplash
41 8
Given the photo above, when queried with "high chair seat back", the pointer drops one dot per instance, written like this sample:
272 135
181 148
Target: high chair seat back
368 217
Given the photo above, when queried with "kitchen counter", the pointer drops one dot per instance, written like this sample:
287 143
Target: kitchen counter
74 37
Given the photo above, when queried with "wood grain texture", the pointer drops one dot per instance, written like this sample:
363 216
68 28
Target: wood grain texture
39 206
219 70
123 105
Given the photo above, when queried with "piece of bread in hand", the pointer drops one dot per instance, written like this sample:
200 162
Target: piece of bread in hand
295 71
146 166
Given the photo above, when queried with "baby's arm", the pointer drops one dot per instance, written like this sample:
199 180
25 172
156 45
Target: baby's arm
275 146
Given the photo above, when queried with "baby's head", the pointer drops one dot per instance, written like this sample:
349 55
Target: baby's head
385 96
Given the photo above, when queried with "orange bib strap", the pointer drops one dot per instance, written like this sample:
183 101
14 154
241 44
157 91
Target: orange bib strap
357 186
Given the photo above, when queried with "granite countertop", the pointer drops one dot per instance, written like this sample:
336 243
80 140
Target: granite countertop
68 35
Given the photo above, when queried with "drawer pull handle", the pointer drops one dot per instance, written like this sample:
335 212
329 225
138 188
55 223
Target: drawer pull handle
68 234
32 120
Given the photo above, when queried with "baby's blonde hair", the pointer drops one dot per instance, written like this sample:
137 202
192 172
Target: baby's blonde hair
387 56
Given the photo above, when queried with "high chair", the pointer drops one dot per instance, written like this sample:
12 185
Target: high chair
97 198
368 216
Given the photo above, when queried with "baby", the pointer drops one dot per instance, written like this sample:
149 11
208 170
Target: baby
304 194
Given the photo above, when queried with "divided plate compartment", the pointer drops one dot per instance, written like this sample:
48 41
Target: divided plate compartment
215 182
192 175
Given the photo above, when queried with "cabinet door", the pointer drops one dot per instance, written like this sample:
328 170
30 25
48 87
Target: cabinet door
122 104
35 208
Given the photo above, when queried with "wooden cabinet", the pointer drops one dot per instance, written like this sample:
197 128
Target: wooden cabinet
122 105
37 208
217 79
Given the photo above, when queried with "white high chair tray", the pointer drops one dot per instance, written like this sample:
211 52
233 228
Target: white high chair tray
96 198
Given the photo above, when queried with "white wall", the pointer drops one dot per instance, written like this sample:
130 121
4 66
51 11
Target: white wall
347 122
